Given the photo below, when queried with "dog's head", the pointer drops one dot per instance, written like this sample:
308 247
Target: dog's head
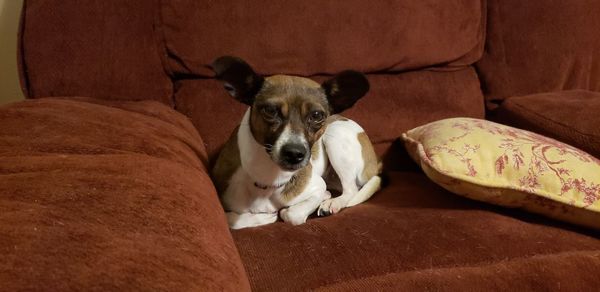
287 112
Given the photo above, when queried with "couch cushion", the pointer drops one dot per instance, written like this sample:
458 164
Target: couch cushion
310 37
420 236
100 127
569 116
499 276
102 195
401 101
100 48
540 46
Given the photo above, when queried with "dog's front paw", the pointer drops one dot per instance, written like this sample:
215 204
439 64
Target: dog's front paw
331 206
294 218
245 220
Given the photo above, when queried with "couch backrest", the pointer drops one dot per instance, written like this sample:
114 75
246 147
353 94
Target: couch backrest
419 51
99 48
314 37
121 49
540 46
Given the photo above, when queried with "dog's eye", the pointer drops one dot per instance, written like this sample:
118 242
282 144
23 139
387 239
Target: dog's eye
316 117
269 112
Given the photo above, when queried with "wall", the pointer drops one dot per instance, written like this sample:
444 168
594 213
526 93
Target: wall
10 12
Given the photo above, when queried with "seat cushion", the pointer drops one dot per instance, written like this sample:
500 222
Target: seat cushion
98 195
568 116
414 234
499 276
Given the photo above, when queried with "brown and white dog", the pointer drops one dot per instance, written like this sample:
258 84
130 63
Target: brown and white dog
289 149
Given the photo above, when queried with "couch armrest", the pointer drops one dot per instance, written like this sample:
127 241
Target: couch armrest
569 116
96 197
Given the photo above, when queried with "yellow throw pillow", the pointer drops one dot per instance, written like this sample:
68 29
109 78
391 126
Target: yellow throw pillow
510 167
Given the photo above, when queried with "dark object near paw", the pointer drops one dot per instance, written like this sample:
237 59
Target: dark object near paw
322 213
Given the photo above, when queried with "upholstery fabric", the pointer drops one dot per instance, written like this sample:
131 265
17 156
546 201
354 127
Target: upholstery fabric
569 116
415 234
401 101
322 37
501 276
540 46
506 166
103 194
100 195
106 49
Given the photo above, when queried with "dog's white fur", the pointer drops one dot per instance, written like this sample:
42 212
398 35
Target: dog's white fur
344 151
252 206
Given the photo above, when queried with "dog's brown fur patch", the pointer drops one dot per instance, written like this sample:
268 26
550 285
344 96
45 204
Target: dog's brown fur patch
294 97
315 151
328 121
297 184
227 163
292 81
369 157
334 118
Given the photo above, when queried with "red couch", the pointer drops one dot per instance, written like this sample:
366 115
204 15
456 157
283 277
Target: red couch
103 170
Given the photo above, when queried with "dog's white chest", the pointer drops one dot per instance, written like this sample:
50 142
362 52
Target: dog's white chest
243 194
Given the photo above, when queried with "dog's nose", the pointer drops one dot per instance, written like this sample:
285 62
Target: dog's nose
293 153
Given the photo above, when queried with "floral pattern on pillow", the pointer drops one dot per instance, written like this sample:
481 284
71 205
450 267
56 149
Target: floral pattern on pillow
497 157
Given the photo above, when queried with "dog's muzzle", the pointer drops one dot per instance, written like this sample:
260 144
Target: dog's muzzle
293 156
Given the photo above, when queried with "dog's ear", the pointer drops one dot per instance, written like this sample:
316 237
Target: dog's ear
238 77
344 89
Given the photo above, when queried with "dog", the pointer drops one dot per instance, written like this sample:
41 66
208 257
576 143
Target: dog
291 147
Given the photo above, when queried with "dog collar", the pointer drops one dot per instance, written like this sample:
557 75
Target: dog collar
266 187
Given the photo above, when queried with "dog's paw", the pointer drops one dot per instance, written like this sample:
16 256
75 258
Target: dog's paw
245 220
233 219
331 206
294 218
